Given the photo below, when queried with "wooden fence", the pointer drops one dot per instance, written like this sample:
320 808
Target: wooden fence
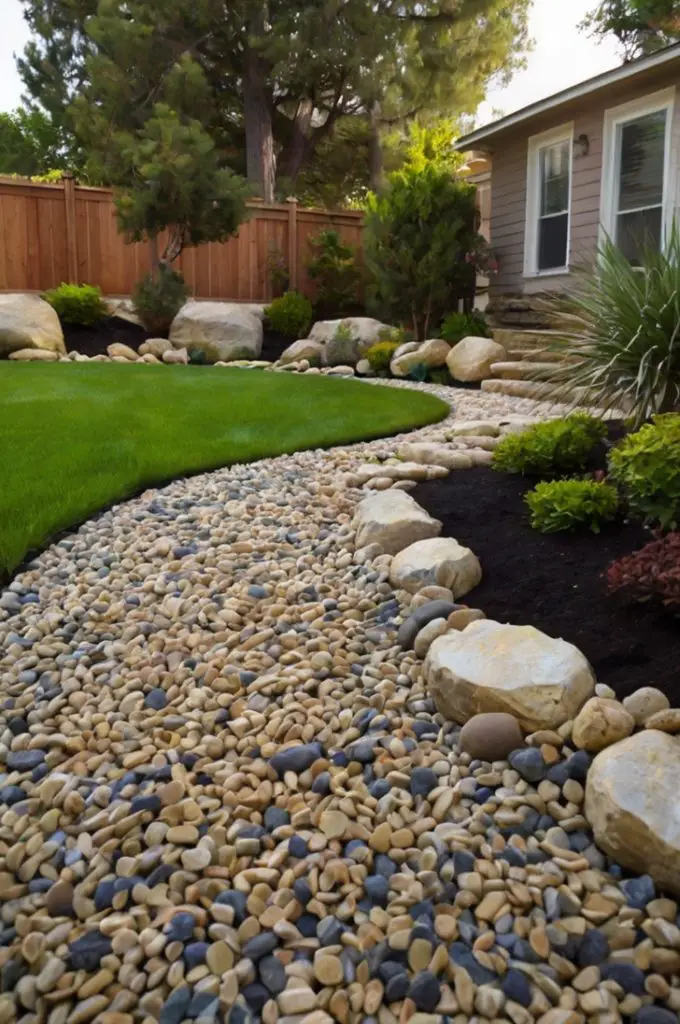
51 233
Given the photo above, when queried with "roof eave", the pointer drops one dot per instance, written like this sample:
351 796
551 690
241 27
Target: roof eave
477 139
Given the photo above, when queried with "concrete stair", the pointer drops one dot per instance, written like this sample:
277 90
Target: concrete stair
529 365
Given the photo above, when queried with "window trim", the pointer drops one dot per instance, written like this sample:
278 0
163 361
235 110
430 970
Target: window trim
613 118
563 133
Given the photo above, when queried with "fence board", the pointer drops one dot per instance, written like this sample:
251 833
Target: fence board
57 232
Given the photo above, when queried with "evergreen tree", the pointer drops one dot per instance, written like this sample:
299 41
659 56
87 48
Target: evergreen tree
641 26
30 144
284 75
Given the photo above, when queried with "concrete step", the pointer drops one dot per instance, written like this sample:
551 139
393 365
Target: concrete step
541 355
523 369
524 341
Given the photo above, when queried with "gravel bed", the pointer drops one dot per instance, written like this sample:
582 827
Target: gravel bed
227 794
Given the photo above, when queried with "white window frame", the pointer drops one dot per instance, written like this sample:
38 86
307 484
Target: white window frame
564 133
613 118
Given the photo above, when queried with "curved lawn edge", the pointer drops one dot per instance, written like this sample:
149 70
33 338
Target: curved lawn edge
75 440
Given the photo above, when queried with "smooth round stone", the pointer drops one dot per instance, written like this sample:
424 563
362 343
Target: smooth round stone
25 760
275 817
195 954
59 899
297 847
259 946
328 969
377 889
655 1015
423 781
295 759
644 703
665 721
515 986
529 763
594 949
425 991
156 699
491 736
628 976
272 974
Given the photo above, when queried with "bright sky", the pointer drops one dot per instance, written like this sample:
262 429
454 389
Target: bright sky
562 56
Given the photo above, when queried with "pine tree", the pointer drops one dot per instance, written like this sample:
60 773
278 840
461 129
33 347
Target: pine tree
641 26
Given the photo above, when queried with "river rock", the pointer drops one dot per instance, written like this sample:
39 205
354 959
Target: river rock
362 332
601 722
471 358
430 353
34 355
440 560
430 454
306 348
155 347
27 321
220 330
491 736
489 666
665 721
117 350
394 520
632 807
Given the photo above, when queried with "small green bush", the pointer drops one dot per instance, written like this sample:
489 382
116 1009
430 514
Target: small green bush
381 354
567 504
290 315
552 448
157 301
77 303
335 271
457 326
439 375
646 466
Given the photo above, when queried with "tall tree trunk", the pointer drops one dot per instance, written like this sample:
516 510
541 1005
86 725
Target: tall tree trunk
260 160
296 153
375 155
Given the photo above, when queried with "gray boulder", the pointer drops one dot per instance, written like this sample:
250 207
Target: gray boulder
27 321
222 331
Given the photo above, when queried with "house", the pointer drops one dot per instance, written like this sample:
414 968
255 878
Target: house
600 157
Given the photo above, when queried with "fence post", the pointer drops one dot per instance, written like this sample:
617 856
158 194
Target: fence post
71 238
292 242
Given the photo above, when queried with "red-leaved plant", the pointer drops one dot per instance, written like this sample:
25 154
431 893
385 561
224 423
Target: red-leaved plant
650 574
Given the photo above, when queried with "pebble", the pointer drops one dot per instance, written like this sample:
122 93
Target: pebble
227 795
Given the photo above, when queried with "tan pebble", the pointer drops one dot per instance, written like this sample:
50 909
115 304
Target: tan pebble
111 1017
490 906
665 721
446 926
586 979
644 703
381 838
462 617
464 990
339 1006
196 859
334 824
539 942
94 985
32 947
561 1016
402 839
419 954
657 986
373 996
297 1000
182 834
88 1009
328 969
219 958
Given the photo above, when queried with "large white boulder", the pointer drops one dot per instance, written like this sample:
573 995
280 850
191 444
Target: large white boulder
491 666
27 321
357 334
307 349
438 560
632 805
431 353
394 520
471 358
223 331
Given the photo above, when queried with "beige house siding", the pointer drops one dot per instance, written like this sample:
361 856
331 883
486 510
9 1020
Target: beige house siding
509 179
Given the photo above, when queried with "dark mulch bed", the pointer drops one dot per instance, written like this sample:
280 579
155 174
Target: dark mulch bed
555 582
93 341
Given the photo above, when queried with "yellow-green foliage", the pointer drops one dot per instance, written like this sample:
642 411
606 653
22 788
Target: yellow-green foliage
77 303
567 504
552 448
381 354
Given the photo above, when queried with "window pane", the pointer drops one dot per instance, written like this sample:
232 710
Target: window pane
552 242
642 158
637 231
554 178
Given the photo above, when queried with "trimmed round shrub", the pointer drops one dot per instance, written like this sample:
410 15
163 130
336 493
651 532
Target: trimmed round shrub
381 354
77 303
457 326
646 466
158 300
291 315
558 505
553 448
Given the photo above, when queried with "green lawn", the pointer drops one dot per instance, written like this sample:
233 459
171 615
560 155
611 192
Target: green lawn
74 439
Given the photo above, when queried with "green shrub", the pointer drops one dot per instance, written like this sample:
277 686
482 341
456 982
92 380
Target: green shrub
334 269
381 354
646 466
439 375
457 326
567 504
77 303
621 330
417 233
290 315
157 301
551 448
